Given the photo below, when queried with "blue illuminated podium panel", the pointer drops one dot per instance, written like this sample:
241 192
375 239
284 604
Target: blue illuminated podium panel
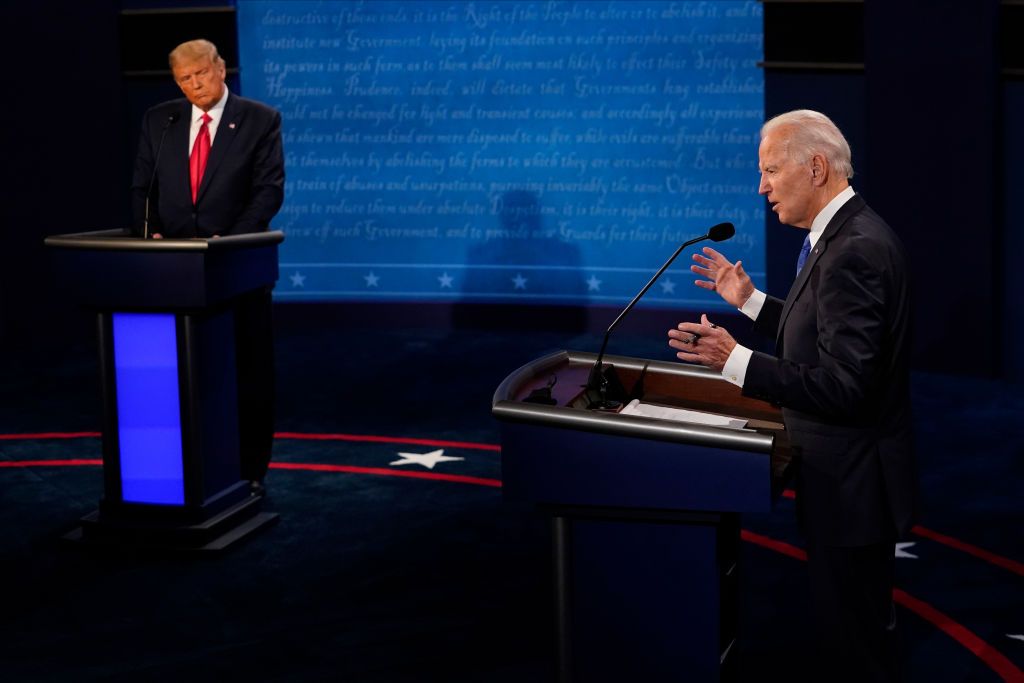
166 324
148 408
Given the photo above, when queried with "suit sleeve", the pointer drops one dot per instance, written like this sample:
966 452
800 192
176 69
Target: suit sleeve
267 193
140 182
767 322
851 313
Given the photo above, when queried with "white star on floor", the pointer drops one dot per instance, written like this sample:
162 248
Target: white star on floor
428 460
1015 636
519 281
298 280
901 551
371 279
446 281
593 284
668 287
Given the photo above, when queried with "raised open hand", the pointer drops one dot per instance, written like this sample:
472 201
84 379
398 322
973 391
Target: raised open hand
728 279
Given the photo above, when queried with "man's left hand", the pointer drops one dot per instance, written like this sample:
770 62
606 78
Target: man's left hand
704 343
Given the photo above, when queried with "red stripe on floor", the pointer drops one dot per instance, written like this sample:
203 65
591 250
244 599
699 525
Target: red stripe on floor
994 659
49 463
955 543
302 436
352 469
50 435
982 650
311 467
772 544
387 439
980 553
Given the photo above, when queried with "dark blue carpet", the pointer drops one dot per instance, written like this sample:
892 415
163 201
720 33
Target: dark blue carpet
382 578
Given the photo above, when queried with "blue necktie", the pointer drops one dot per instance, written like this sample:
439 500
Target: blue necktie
804 251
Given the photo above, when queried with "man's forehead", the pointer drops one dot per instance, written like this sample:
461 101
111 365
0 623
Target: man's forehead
192 65
770 148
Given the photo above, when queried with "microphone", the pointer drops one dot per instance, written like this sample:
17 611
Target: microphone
597 380
152 178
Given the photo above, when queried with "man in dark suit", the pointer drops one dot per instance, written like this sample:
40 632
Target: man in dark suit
841 376
241 186
211 164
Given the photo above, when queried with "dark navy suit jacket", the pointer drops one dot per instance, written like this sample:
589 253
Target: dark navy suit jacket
841 375
242 187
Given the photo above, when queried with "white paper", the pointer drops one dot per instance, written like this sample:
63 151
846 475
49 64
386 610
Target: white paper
635 407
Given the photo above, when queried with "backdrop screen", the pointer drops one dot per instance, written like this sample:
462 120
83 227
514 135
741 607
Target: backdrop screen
512 152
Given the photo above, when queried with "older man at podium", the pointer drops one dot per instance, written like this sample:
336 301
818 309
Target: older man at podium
841 375
211 164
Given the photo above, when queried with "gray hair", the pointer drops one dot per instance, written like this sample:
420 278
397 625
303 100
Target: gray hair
813 133
193 50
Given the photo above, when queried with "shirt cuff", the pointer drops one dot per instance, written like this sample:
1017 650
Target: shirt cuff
752 308
735 369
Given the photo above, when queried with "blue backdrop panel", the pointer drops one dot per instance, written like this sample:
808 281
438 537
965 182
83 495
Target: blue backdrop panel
549 152
148 411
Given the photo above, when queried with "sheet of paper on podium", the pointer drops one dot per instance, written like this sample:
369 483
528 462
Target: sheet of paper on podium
635 407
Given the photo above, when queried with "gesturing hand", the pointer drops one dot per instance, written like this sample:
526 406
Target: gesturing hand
730 280
706 343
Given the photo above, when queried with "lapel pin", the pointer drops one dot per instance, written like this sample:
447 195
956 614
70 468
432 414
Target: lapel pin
231 125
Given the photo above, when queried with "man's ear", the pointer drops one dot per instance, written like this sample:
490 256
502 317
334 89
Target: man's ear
819 169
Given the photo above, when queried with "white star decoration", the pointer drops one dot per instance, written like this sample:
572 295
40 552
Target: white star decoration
446 281
371 279
519 281
1015 636
668 287
593 284
901 551
298 280
428 460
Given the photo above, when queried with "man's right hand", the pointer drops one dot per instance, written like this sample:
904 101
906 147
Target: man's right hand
730 280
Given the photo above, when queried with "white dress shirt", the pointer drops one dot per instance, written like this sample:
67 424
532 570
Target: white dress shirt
735 369
216 114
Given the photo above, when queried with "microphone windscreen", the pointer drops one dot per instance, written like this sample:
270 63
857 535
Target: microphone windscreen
721 232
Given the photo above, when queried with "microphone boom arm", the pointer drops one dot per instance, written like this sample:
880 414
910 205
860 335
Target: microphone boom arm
597 381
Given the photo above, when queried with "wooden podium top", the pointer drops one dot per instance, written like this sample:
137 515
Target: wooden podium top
740 468
670 384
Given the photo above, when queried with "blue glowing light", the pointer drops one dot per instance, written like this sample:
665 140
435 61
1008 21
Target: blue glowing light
148 409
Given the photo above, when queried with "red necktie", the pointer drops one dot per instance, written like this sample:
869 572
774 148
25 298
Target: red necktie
200 153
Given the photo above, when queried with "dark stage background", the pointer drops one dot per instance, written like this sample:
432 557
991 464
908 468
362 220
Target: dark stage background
405 579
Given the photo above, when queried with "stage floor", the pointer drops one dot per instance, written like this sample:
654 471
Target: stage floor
396 559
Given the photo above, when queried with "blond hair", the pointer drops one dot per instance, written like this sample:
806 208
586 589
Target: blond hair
194 50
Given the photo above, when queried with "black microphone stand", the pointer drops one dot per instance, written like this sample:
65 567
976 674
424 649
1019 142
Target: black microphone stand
597 380
152 178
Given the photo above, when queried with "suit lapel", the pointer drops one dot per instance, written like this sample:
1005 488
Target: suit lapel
226 132
855 204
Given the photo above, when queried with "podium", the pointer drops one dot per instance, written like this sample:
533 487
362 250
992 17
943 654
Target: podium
166 325
645 511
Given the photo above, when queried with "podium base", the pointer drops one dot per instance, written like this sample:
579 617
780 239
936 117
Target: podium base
219 532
